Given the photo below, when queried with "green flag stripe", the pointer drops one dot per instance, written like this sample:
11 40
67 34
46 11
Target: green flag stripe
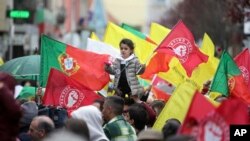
50 50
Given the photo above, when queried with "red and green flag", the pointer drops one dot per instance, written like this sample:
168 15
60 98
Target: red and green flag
228 79
137 33
83 66
243 62
67 92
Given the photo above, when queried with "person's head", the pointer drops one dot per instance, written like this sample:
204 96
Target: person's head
10 114
157 106
126 47
9 81
150 135
78 127
137 116
206 87
171 127
93 117
99 103
220 99
179 137
40 127
113 106
127 103
30 110
64 135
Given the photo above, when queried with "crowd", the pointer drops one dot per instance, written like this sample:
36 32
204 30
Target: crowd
126 116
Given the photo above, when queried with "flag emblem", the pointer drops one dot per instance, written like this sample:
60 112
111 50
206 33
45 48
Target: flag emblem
71 98
231 83
181 47
213 128
245 73
68 64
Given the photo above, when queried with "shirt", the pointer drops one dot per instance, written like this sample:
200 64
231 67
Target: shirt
118 129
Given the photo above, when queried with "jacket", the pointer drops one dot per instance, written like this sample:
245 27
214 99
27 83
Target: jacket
132 68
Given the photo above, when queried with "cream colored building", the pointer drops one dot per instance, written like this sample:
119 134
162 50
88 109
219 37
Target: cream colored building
138 13
133 12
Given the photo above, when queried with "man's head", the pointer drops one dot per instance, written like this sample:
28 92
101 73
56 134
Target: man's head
30 110
40 127
137 116
113 106
171 127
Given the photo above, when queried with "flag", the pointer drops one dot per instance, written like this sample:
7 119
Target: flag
137 33
114 34
208 48
161 89
211 124
27 93
180 43
67 92
198 108
154 66
179 101
208 68
83 66
158 32
102 48
170 75
228 79
243 62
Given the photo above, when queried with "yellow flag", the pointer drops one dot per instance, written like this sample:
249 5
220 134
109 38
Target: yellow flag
94 36
158 32
114 34
209 49
176 73
207 46
177 106
205 71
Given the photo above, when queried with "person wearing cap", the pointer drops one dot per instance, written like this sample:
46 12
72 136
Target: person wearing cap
116 127
125 68
150 135
29 110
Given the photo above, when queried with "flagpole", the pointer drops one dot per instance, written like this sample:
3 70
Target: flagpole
149 57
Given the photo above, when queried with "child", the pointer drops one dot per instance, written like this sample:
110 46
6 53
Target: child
126 68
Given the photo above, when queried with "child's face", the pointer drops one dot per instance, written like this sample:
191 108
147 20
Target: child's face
125 51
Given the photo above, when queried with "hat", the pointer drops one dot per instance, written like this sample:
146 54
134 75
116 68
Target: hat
30 110
150 134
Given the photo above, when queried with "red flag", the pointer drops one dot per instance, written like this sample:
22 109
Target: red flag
197 110
66 92
158 63
180 42
213 124
243 62
161 89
